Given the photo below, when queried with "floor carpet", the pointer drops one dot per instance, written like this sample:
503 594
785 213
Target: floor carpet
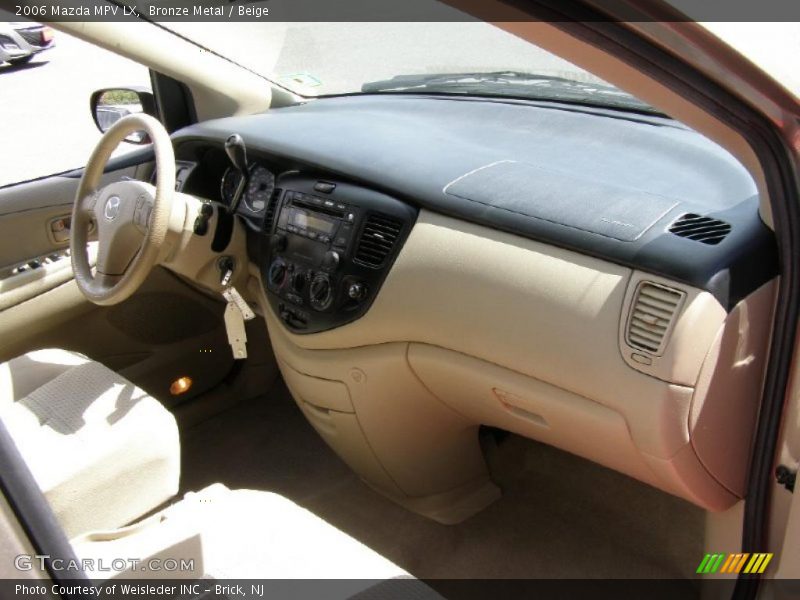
560 516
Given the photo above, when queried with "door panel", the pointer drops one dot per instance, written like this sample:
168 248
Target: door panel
34 218
166 330
29 209
34 234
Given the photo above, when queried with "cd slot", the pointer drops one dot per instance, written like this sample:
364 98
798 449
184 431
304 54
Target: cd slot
330 211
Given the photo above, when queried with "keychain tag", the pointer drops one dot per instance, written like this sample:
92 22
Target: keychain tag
234 326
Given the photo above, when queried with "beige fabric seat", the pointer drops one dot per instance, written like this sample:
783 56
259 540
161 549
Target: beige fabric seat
248 534
103 451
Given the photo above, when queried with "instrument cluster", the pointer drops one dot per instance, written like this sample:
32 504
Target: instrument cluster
260 187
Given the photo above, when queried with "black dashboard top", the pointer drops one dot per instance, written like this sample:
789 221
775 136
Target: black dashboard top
600 182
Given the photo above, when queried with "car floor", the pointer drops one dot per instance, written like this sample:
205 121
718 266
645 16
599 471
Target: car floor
560 516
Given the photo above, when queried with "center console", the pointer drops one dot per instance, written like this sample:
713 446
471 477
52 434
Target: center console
326 249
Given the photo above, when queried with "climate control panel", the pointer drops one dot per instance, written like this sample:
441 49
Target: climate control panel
326 249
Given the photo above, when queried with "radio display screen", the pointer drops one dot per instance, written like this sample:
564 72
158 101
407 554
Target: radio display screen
306 220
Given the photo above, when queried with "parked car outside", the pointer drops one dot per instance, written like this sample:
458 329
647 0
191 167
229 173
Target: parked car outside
20 42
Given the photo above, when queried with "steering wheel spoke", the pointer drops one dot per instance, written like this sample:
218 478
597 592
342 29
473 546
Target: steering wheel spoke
132 217
86 205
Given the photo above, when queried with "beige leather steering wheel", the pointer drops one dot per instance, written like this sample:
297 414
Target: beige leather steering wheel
132 217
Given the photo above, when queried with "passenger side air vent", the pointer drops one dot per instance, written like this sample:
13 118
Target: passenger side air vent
701 229
272 206
377 240
652 316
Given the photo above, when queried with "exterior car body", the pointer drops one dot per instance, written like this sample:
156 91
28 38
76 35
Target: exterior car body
20 42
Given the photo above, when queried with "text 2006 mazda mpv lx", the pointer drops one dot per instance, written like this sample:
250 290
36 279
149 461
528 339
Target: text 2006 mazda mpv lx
424 303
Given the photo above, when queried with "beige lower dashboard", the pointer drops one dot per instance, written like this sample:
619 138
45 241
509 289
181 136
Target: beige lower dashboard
475 326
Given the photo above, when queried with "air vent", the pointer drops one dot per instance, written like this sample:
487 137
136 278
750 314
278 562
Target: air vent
269 216
701 229
652 316
377 240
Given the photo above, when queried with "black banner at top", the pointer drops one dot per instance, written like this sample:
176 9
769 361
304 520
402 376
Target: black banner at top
402 10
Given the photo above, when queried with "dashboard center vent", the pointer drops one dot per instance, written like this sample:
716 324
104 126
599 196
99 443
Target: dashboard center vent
652 316
269 215
377 240
701 229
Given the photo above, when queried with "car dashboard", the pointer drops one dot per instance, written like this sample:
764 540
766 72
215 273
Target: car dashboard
598 280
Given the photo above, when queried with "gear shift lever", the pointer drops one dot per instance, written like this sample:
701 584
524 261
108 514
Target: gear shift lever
234 147
237 153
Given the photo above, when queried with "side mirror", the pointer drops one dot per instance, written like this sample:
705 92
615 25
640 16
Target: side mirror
110 105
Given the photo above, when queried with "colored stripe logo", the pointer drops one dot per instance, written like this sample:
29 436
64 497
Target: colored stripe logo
734 563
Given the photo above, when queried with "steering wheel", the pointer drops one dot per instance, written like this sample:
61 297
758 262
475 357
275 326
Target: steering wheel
132 217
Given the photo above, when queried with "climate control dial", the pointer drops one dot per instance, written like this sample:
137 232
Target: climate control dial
320 292
278 271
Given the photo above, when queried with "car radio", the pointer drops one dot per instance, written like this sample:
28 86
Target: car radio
317 219
327 251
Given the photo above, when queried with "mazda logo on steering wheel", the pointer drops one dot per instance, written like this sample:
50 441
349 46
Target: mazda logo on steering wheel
112 208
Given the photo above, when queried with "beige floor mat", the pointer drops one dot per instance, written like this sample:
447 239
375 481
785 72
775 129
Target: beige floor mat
560 516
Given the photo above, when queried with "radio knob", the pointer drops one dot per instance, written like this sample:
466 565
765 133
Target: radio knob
277 273
330 261
357 291
320 292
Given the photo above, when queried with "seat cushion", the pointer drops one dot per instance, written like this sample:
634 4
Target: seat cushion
23 374
254 535
103 451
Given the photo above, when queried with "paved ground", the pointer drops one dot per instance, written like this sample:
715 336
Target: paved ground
45 118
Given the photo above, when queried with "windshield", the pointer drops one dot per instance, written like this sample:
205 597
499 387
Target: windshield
476 58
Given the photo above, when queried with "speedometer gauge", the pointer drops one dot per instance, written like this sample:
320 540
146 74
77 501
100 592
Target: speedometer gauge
261 184
259 189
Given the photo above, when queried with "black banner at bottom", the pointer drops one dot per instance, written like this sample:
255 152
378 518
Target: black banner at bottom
406 589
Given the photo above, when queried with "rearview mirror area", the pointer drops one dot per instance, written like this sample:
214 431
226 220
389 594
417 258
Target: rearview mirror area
110 105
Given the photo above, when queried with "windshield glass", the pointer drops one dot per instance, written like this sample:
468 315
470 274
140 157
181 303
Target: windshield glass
319 59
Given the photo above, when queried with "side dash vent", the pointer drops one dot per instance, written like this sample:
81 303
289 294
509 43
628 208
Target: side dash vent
269 216
701 229
377 240
652 316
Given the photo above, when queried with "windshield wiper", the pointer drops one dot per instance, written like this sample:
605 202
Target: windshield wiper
511 83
